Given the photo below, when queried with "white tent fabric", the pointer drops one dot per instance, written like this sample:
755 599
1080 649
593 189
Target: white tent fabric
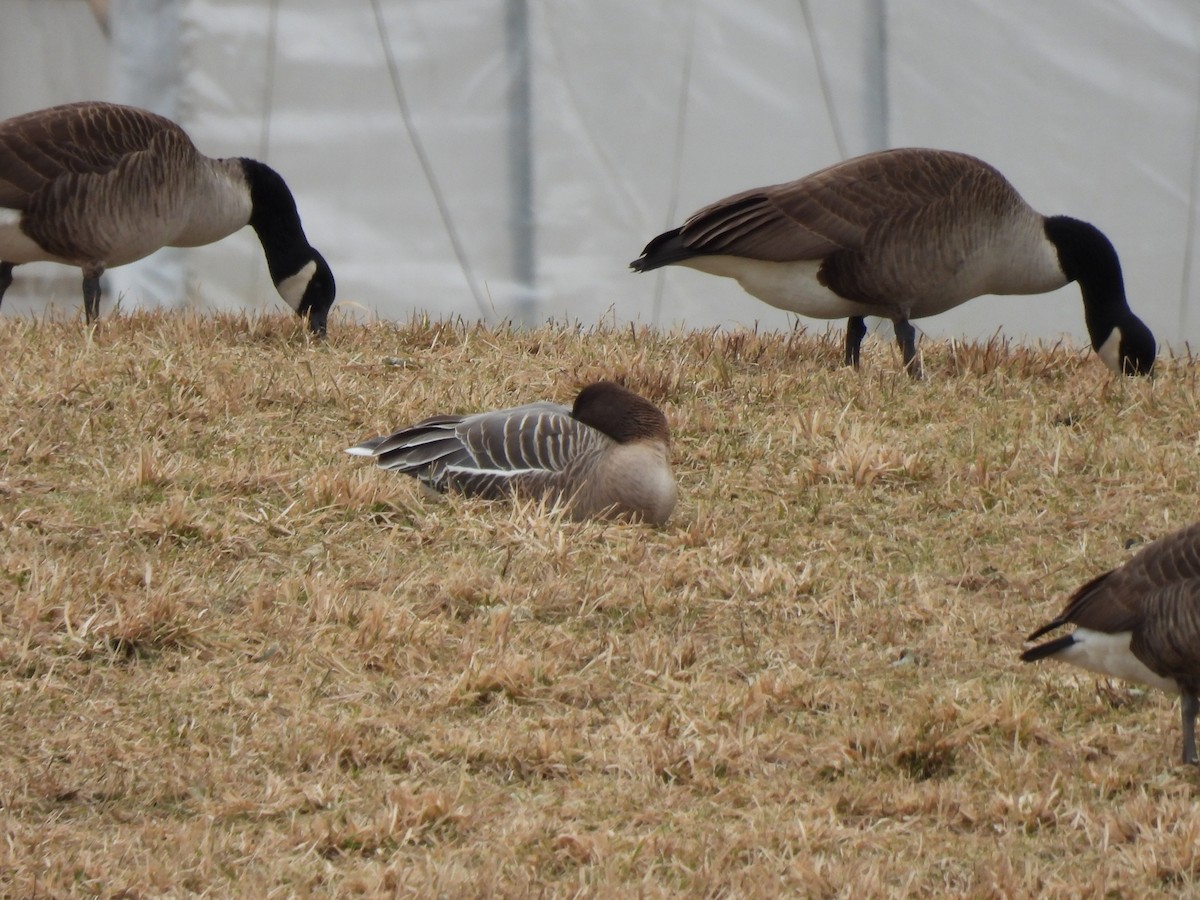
49 53
146 71
402 131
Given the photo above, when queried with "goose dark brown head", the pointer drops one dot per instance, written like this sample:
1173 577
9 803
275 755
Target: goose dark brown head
618 412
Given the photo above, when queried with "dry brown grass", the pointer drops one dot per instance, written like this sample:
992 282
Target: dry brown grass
233 660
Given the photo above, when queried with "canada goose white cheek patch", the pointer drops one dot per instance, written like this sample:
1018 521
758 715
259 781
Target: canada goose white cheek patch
1110 351
292 288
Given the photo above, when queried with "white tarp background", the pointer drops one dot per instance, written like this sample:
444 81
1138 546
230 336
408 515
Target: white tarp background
640 112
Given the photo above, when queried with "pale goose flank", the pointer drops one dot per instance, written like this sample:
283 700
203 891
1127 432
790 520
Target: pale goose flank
1140 622
96 185
606 456
905 234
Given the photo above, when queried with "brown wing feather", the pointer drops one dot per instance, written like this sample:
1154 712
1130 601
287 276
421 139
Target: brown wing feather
1119 600
836 207
1175 557
76 139
1169 640
1100 605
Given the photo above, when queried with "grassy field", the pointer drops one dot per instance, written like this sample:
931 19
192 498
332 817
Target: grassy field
234 660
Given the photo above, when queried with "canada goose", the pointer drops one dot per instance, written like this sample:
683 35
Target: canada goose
97 185
605 456
905 234
1140 622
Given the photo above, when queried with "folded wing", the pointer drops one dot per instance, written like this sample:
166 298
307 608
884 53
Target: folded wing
76 140
527 449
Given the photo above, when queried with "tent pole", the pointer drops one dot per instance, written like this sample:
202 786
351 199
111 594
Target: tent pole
876 45
520 159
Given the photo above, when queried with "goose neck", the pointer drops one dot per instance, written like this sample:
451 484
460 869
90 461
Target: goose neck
1089 258
276 221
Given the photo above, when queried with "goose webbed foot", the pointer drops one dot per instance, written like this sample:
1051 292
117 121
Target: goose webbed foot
856 330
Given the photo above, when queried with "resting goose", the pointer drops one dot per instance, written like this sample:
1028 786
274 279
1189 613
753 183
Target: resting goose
905 234
605 456
1140 622
97 185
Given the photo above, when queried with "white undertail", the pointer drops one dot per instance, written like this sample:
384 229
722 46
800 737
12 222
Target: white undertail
1110 654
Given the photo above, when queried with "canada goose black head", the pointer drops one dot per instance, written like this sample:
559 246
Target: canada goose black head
301 275
621 414
1087 257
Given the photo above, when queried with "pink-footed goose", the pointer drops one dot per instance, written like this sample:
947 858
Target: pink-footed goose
97 185
905 234
1140 622
606 456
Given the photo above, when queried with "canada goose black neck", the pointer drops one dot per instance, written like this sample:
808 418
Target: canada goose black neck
1089 258
299 272
620 413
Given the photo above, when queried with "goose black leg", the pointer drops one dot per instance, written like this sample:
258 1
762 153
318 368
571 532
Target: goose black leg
856 330
906 337
5 277
91 292
1189 705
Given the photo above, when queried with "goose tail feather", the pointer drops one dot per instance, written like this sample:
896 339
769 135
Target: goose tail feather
665 249
1048 649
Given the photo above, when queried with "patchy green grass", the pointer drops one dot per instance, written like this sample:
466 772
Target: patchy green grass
234 660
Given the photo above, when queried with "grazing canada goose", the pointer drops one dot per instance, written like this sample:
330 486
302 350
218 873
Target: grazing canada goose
606 456
97 185
905 234
1140 622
